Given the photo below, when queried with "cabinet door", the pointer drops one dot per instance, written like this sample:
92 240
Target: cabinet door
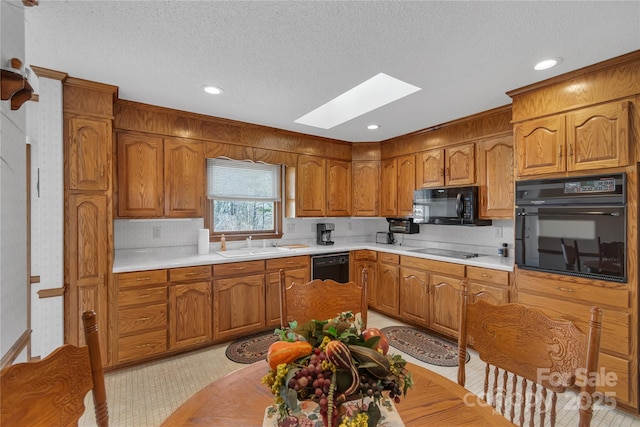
238 306
338 188
495 173
140 177
406 184
365 275
430 169
414 295
86 244
272 308
89 153
540 146
460 166
387 289
311 186
491 294
444 307
184 175
366 179
389 187
190 315
598 137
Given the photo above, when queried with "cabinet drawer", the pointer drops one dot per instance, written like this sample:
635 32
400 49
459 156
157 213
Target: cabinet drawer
365 255
190 273
142 318
440 267
287 263
142 345
141 278
488 275
238 268
388 258
142 296
599 293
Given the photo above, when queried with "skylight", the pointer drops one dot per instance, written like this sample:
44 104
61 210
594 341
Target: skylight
379 90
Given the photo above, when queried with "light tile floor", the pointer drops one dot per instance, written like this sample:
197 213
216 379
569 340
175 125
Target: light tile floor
145 395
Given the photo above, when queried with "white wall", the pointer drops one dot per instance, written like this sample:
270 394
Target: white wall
13 193
132 234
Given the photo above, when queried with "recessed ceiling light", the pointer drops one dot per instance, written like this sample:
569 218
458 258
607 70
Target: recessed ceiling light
379 90
213 90
547 63
373 127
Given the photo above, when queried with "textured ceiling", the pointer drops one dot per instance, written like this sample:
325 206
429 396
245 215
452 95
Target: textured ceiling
276 61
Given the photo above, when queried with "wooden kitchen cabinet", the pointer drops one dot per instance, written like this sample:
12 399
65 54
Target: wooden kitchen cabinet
387 284
389 187
397 183
414 295
160 177
291 269
338 188
366 185
323 187
89 153
488 284
238 300
190 307
495 177
140 176
184 177
586 139
364 273
88 269
444 304
140 316
451 166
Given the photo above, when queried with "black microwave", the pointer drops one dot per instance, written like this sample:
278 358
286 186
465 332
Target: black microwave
447 206
573 226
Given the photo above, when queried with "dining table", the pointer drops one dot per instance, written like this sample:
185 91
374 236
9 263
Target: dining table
240 399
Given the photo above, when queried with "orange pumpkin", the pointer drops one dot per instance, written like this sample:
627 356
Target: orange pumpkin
286 352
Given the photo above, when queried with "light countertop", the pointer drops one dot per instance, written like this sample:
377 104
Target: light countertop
127 260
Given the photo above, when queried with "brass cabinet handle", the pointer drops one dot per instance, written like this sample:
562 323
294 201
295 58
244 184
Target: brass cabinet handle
143 345
144 296
139 279
486 275
563 289
570 150
143 319
560 150
192 274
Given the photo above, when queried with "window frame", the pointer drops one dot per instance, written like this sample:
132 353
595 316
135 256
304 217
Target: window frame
276 233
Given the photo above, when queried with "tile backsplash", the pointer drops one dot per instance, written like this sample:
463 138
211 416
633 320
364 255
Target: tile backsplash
147 233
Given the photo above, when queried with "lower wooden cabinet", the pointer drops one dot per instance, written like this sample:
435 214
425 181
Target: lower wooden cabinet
190 322
387 285
140 315
364 272
292 269
488 284
444 304
414 295
238 306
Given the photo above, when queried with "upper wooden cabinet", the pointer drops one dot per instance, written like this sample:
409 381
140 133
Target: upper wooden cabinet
366 184
89 153
586 139
323 187
446 166
160 178
495 177
184 177
397 183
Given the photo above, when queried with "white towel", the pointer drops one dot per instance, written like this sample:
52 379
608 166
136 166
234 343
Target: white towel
203 241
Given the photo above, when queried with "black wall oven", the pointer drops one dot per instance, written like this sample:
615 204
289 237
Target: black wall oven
574 226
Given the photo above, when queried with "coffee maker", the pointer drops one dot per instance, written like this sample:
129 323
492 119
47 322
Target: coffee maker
324 233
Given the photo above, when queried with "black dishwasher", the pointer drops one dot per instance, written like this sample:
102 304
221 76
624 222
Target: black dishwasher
333 266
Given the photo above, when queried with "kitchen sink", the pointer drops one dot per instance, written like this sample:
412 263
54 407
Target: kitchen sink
236 253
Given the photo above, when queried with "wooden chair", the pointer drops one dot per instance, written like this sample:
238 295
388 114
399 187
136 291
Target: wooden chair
571 255
612 254
539 353
52 391
321 300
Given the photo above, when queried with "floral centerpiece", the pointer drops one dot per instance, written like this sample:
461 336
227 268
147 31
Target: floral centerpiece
333 362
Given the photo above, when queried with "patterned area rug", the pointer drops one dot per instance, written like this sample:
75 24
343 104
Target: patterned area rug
251 348
423 346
